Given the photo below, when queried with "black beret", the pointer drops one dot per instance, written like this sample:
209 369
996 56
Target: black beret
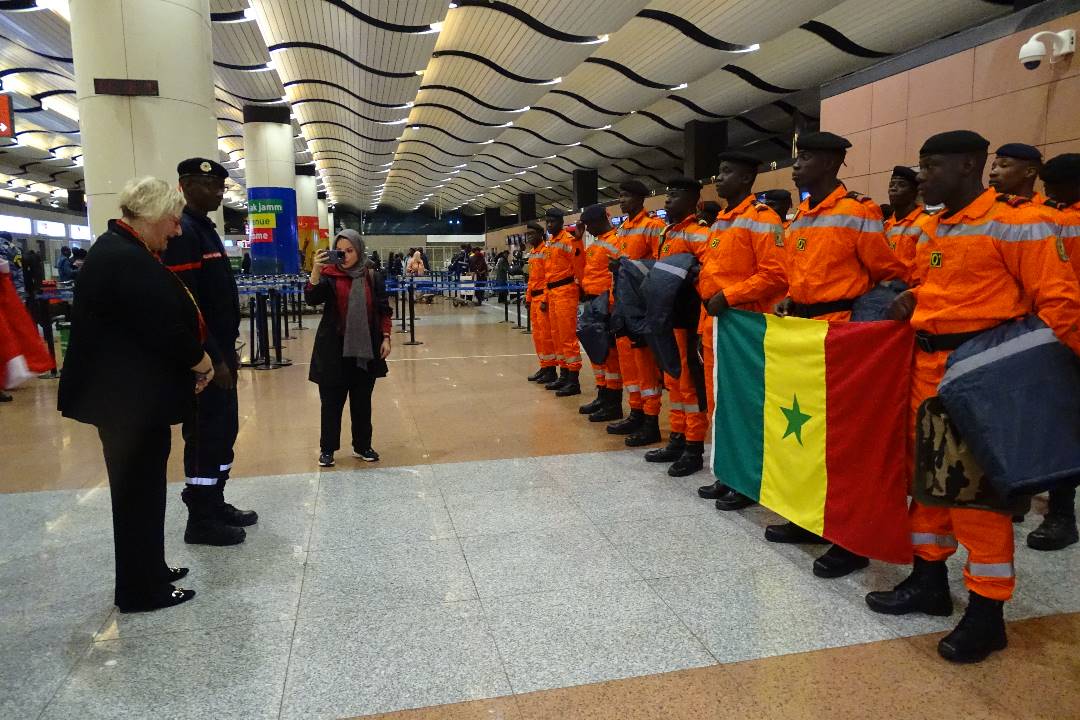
1020 151
739 158
593 213
822 141
202 167
903 171
635 187
954 142
684 183
777 194
1061 168
554 212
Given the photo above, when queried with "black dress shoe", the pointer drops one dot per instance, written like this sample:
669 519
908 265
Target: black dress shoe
838 562
175 574
167 598
792 533
732 500
712 492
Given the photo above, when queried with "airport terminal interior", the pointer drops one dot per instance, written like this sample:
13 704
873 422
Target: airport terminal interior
437 177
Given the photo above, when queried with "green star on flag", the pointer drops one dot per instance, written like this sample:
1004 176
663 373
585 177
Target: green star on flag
795 419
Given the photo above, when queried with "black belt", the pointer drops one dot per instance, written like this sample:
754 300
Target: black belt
928 342
535 293
560 283
813 310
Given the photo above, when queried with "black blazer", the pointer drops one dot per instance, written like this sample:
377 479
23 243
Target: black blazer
134 338
327 363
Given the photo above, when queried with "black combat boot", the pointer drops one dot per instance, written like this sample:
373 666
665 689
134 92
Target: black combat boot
837 562
670 452
547 375
570 387
611 409
556 384
536 375
691 460
630 425
647 434
593 405
204 524
980 632
1055 532
712 492
228 513
925 590
789 532
732 500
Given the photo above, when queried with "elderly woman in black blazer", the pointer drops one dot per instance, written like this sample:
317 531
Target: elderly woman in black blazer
351 344
134 364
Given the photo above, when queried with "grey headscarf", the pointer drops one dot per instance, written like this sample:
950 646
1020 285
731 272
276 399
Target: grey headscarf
357 326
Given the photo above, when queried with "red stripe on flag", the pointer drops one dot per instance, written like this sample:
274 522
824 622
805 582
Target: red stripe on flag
867 371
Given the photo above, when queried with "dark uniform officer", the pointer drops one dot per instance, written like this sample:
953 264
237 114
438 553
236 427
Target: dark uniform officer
198 257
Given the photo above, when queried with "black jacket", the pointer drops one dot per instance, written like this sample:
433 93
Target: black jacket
327 362
134 338
198 257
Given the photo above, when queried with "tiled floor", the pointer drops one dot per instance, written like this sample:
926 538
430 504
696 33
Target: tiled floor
490 568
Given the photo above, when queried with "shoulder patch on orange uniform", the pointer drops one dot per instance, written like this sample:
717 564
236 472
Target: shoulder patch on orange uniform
1013 200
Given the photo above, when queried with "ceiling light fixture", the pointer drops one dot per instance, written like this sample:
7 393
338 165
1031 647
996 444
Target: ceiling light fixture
680 86
435 27
553 81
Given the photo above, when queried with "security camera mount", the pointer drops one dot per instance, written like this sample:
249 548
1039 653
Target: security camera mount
1061 43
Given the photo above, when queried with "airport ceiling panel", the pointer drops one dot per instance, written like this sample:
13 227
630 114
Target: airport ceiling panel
446 104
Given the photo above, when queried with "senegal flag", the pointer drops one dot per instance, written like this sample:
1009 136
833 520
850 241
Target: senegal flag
812 422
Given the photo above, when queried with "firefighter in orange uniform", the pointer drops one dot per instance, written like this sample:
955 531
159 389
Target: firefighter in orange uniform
742 266
563 268
638 238
900 230
1014 170
689 423
985 259
1061 178
836 251
538 309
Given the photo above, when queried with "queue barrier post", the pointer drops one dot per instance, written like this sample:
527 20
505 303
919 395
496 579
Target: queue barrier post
412 316
263 330
528 317
252 356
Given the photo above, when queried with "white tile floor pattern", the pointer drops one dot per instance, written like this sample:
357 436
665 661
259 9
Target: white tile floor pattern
389 588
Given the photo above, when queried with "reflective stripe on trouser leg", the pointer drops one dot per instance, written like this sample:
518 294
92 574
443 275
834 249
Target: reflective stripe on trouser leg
649 380
599 374
988 538
695 421
541 336
931 531
202 481
676 415
613 377
628 367
563 303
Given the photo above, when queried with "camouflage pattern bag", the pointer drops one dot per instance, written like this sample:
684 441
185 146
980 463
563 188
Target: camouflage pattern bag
946 473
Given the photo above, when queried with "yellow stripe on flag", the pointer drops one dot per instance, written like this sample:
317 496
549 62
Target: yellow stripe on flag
793 474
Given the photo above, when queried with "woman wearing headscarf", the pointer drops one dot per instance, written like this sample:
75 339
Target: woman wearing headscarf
351 344
133 366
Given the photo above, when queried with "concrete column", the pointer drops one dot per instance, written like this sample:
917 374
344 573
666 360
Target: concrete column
307 213
125 137
324 222
702 142
585 192
269 168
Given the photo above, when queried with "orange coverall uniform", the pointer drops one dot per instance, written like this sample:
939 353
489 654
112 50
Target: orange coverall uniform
541 322
563 267
639 238
987 263
686 416
836 252
595 280
1069 219
901 235
744 259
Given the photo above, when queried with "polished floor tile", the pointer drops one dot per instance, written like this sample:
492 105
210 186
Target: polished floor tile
377 661
393 520
581 635
509 511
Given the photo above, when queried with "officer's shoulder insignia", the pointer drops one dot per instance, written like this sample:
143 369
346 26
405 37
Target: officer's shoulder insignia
1013 200
859 197
936 258
1062 252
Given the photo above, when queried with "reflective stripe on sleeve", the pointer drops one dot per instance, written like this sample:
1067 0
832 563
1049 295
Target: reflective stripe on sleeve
852 222
1006 232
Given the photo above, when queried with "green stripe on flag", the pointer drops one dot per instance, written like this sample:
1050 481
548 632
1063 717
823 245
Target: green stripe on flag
738 422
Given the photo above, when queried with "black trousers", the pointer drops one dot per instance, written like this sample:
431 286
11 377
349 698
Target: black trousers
136 458
210 435
1062 501
357 389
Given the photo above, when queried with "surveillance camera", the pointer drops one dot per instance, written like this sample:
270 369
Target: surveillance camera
1034 50
1032 53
